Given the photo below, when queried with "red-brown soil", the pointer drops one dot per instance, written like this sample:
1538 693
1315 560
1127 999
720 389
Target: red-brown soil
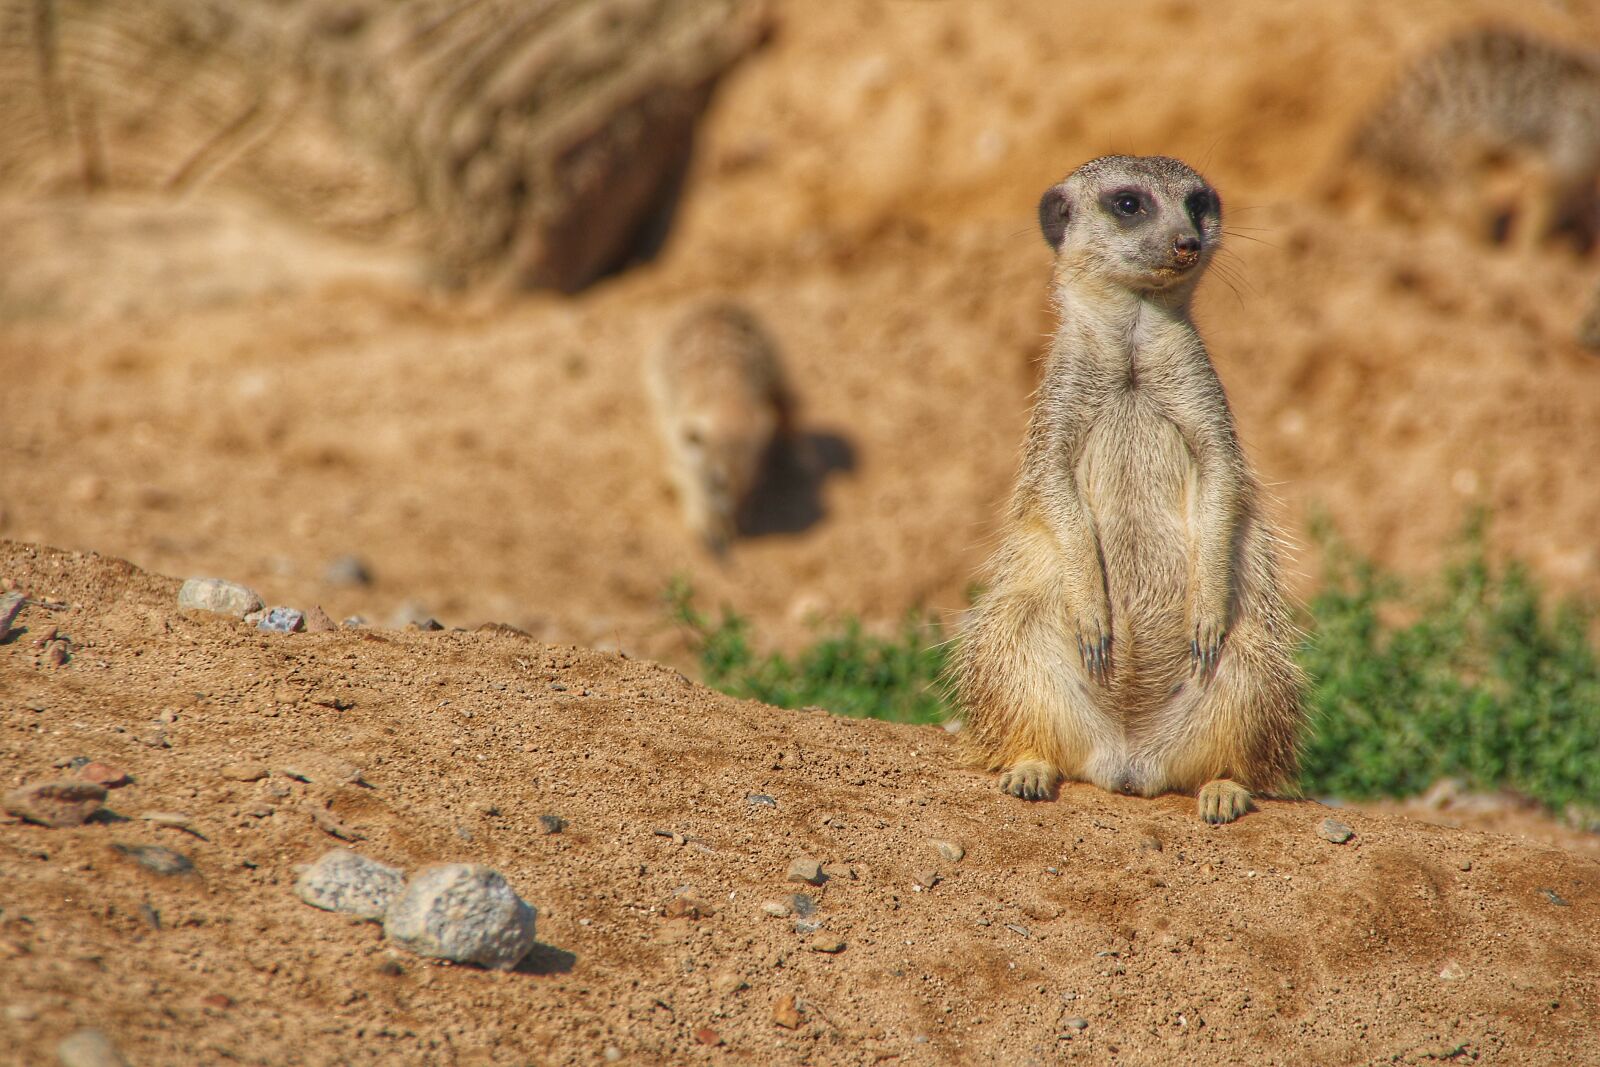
1258 942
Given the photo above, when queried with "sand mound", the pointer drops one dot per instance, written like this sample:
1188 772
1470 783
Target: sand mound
1095 927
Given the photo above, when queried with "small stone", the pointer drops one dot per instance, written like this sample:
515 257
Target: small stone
347 881
760 800
347 570
1076 1023
428 625
281 620
1335 831
1452 971
827 943
220 596
60 803
10 607
613 1054
927 878
323 819
319 621
948 851
687 906
786 1012
551 824
244 772
729 982
462 912
353 622
1150 843
154 736
174 819
807 870
391 969
103 774
21 1013
218 1001
88 1048
1553 897
156 858
776 908
807 927
1464 865
707 1036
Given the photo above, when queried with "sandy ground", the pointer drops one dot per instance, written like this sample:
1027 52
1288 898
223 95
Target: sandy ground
1169 940
202 387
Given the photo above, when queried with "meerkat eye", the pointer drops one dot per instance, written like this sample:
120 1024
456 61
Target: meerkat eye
1199 203
1126 204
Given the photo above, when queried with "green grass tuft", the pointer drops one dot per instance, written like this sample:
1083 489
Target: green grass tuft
1476 682
849 672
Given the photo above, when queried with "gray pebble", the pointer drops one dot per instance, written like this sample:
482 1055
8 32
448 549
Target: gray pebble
88 1048
760 800
347 570
218 595
1076 1023
10 608
1553 897
282 621
157 858
807 926
948 850
551 824
802 905
462 912
1335 831
807 870
350 882
60 803
775 908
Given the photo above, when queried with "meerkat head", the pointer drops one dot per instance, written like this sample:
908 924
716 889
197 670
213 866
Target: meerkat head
1146 223
725 448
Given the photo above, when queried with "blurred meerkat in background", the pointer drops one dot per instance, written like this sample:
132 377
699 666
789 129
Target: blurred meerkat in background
1496 126
721 403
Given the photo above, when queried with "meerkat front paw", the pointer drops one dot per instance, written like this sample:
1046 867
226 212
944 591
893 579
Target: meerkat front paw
1094 645
1223 801
1029 780
1205 641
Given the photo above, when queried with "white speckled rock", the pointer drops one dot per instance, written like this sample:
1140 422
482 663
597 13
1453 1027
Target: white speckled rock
220 596
88 1048
349 882
462 912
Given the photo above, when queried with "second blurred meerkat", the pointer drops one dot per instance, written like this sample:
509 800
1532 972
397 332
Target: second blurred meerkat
1492 114
722 403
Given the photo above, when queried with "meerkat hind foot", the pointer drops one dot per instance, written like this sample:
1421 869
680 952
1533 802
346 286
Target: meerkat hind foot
1223 801
1029 780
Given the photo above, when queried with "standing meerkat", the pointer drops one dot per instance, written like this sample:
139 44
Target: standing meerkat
1497 118
1132 633
721 403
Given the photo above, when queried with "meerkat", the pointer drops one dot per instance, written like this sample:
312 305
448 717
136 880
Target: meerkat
1492 119
1132 632
721 403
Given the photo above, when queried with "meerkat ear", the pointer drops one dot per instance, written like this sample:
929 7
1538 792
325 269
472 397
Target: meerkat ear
1053 215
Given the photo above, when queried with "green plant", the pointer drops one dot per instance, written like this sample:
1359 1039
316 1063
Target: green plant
849 672
1478 683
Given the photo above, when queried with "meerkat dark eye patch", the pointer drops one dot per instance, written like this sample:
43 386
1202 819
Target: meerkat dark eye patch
1053 216
1200 203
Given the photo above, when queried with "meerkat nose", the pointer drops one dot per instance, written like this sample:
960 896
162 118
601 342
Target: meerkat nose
1186 244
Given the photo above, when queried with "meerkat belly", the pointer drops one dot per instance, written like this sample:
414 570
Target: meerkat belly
1136 473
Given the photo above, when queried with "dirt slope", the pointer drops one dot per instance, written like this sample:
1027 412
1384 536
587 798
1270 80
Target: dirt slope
1254 943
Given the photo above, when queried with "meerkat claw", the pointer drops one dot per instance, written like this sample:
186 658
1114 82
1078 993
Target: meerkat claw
1222 801
1031 780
